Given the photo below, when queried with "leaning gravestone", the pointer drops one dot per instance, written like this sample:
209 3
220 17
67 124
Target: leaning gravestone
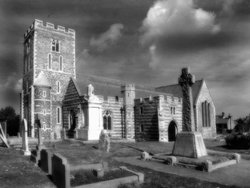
39 133
188 143
104 141
26 150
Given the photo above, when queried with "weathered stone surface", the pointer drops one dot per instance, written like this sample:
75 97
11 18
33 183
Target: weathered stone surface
189 144
104 141
145 156
186 80
25 142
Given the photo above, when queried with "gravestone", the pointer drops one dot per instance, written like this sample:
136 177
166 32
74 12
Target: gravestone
39 133
25 143
188 143
104 141
3 137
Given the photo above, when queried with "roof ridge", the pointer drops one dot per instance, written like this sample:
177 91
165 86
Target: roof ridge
155 92
177 84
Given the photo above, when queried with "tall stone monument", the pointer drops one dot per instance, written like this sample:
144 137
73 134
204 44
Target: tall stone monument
94 115
188 143
25 143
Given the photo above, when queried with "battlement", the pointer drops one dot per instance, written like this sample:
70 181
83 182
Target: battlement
40 24
128 87
110 99
168 99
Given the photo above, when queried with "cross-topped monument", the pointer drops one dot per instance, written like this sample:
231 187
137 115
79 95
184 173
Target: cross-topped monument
186 80
188 143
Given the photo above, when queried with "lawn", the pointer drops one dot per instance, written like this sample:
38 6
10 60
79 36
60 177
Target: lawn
221 146
77 152
18 171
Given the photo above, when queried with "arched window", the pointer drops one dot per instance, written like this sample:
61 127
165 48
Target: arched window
107 120
44 94
58 87
50 61
60 63
141 110
205 107
58 115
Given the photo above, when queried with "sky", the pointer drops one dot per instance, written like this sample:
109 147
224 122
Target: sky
142 41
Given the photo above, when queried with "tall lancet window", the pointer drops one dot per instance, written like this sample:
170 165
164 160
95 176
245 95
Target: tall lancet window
58 87
58 115
107 120
60 63
50 61
205 106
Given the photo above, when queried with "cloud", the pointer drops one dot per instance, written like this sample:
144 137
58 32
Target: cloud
13 84
166 19
19 85
107 38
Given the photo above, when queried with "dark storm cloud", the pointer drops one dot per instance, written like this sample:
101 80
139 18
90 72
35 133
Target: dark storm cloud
213 39
236 6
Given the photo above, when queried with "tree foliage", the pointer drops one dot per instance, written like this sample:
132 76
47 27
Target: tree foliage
9 115
242 125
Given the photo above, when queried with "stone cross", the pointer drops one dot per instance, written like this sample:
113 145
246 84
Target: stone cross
186 80
26 150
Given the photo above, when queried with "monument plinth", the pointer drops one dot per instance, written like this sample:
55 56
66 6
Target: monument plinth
188 143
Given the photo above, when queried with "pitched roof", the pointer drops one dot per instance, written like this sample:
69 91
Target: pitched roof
110 87
42 80
143 93
177 92
221 120
101 86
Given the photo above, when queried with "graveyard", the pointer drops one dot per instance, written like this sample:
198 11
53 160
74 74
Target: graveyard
19 171
70 162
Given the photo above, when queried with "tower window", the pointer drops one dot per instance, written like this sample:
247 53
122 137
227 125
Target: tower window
44 94
55 45
49 60
141 110
172 109
58 87
60 63
116 98
141 128
58 115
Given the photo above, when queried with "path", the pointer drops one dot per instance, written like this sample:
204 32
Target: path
238 175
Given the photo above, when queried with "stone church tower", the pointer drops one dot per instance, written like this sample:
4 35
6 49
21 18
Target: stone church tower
49 62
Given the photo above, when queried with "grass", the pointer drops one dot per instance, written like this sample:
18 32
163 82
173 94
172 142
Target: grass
221 146
87 177
90 153
18 171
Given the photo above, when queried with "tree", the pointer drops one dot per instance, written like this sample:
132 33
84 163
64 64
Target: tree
242 124
8 114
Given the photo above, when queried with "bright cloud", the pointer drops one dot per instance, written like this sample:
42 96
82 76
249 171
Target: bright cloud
107 38
168 18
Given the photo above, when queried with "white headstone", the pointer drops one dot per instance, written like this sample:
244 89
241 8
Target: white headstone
104 141
26 150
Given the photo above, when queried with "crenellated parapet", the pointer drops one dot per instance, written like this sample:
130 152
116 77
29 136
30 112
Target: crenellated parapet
110 99
47 25
167 99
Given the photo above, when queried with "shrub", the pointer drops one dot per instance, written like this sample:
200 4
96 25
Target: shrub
238 141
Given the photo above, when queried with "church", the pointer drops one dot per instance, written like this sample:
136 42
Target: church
67 107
